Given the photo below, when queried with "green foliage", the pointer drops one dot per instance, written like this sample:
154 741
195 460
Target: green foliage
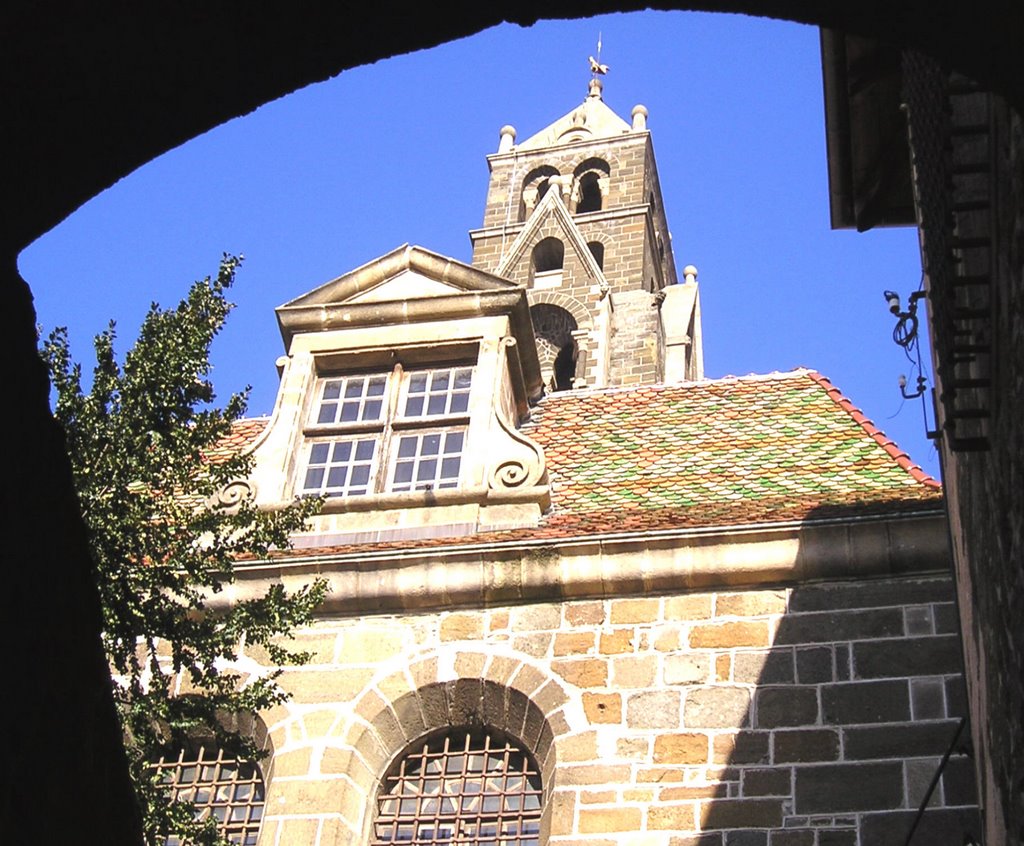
142 442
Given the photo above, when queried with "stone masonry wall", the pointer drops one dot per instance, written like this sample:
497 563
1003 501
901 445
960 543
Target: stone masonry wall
808 716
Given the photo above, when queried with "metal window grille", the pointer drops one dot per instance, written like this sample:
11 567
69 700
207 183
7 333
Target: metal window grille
351 399
224 788
341 467
428 461
466 787
438 392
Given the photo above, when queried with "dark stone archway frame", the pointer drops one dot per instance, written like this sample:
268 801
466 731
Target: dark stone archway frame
93 91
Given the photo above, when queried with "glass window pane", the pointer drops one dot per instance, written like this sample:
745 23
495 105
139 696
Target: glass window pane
437 404
327 412
431 444
460 404
332 389
414 406
407 446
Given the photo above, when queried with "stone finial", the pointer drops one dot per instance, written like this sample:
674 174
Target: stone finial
639 118
595 88
508 138
690 274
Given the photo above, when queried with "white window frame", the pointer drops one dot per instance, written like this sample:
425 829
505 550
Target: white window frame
385 417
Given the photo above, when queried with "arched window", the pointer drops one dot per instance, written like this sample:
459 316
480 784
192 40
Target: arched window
590 194
556 348
591 179
535 186
221 786
597 251
464 785
546 264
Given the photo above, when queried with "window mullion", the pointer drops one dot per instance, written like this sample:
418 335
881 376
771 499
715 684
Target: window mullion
391 412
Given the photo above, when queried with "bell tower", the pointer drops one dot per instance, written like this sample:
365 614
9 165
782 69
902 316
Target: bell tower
574 214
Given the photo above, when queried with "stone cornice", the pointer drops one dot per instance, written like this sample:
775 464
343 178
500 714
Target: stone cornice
607 565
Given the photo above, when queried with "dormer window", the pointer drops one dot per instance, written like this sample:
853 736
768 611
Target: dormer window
400 431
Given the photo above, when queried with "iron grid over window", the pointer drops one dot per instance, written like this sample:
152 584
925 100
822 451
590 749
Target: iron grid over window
467 786
354 448
224 788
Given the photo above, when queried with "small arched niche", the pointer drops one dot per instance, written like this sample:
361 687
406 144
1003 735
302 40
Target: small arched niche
556 347
597 251
591 186
536 184
546 262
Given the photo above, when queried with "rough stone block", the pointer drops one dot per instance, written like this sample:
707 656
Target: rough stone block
777 781
791 705
840 625
844 788
634 671
743 813
805 745
589 774
814 665
687 748
754 603
687 668
578 747
635 610
535 618
717 707
729 635
617 641
898 741
937 826
871 594
958 781
462 627
671 817
793 837
746 838
743 747
772 666
922 656
865 702
603 707
690 607
584 613
574 643
607 820
653 709
837 837
582 672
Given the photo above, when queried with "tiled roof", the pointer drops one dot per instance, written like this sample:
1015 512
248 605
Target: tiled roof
727 452
790 438
243 433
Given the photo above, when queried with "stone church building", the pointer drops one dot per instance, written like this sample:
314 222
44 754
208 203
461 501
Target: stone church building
581 594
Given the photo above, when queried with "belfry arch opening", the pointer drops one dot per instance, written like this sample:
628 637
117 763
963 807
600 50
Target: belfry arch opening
553 328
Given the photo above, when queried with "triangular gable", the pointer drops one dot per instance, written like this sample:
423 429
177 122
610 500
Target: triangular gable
589 121
408 272
551 207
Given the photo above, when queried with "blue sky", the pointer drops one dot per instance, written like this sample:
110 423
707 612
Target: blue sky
321 181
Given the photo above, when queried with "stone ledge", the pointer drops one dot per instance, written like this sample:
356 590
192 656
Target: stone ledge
473 575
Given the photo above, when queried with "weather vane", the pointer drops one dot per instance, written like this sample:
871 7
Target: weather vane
596 68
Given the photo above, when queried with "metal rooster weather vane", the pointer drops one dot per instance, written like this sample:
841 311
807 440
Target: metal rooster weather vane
596 68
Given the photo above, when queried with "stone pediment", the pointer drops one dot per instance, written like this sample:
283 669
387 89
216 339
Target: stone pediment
590 121
406 285
408 272
551 209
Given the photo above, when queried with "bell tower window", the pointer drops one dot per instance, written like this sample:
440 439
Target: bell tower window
597 251
590 194
547 259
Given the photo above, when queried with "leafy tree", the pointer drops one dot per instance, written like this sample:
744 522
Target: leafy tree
143 442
